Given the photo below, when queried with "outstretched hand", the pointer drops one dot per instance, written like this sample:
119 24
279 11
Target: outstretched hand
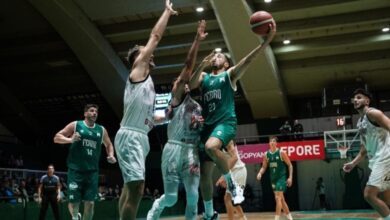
207 60
272 32
168 6
201 30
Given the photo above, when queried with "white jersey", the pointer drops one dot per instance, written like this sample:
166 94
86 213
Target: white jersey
184 125
376 141
138 104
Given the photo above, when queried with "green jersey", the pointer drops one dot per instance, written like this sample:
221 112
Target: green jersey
84 155
276 165
218 98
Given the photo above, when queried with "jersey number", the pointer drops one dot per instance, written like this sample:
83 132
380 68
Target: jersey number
211 107
89 152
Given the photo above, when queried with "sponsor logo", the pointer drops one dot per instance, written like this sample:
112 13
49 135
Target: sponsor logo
73 186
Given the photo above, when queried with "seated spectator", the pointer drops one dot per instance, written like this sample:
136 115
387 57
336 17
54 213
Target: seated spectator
148 194
8 192
285 131
297 130
156 194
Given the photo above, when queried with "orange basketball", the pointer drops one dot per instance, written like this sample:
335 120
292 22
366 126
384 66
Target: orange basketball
260 21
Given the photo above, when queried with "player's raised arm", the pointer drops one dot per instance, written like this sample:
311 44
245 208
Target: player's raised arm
185 75
237 71
140 64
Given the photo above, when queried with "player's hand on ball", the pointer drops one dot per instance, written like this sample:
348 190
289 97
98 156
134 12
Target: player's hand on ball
348 167
111 159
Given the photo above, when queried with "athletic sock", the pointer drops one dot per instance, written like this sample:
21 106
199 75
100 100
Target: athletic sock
227 176
289 217
277 217
208 208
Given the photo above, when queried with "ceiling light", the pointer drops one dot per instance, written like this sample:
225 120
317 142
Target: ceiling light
385 29
199 9
267 1
218 50
286 42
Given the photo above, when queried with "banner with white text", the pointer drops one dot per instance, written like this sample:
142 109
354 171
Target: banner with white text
296 150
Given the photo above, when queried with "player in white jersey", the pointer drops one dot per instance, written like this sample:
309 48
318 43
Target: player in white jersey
180 159
131 141
374 128
239 173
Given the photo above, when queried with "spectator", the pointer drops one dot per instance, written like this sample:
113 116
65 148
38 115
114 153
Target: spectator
148 194
8 192
285 131
321 192
23 191
156 194
298 130
19 162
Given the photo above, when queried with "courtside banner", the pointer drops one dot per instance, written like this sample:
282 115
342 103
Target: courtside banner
296 150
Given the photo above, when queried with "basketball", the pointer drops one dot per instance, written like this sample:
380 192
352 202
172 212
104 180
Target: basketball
260 21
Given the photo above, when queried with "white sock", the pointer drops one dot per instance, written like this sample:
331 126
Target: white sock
208 208
75 218
387 218
277 217
289 217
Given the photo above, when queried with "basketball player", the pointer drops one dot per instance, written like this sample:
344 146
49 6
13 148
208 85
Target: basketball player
180 159
277 161
218 89
131 141
374 127
86 138
239 173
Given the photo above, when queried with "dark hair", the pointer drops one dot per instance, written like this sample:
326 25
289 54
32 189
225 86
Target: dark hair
131 55
88 106
363 92
273 137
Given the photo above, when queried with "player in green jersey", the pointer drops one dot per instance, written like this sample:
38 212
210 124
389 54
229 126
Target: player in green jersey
85 139
277 160
218 89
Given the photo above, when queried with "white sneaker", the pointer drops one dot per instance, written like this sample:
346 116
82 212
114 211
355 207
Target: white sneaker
155 212
236 191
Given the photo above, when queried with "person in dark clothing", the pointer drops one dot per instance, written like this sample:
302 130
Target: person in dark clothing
297 130
49 192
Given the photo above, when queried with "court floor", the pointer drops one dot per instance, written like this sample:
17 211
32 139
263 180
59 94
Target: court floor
307 215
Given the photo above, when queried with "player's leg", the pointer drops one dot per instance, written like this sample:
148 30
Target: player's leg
229 206
131 148
222 136
278 201
44 206
206 187
285 208
191 177
371 196
374 185
88 210
74 192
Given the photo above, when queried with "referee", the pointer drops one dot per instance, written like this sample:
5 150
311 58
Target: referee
49 192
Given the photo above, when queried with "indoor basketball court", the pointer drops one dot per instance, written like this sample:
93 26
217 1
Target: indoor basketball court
301 63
